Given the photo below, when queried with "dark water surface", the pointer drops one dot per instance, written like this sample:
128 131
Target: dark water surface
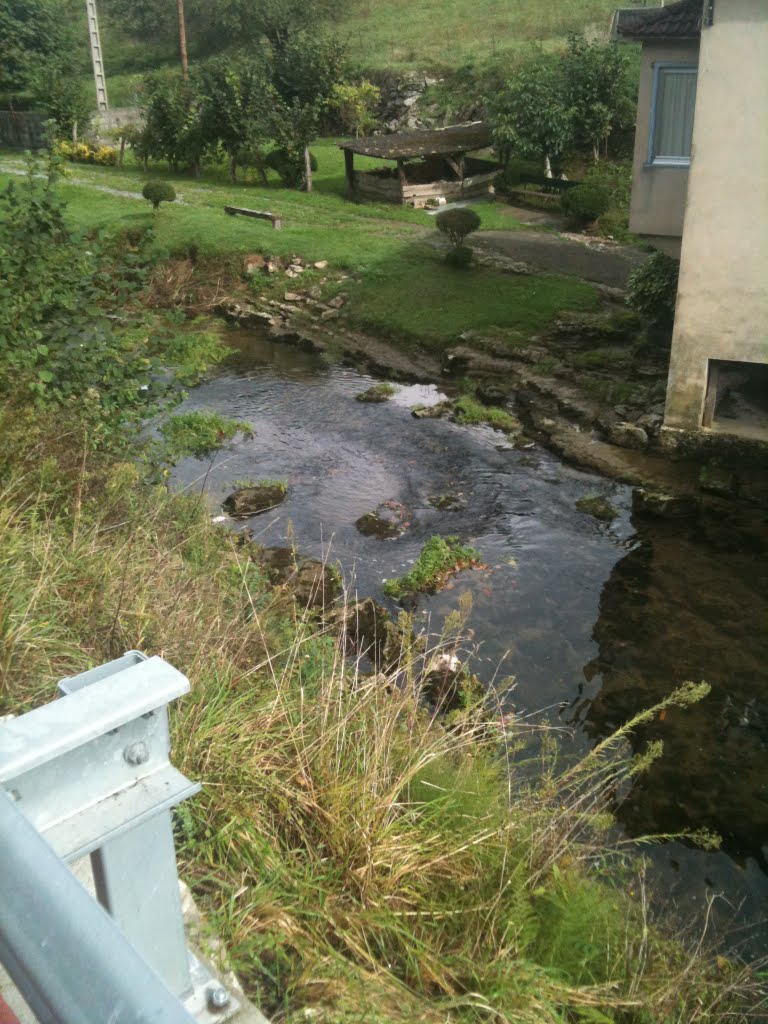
595 621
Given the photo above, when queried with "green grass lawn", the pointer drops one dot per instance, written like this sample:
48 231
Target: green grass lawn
401 287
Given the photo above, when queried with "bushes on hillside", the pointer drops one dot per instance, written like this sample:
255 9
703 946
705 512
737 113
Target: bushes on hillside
586 202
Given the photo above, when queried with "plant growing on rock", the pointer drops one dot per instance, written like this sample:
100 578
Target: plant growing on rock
380 392
157 192
440 558
457 225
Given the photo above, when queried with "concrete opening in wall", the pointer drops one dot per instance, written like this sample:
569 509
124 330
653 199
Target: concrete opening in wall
737 398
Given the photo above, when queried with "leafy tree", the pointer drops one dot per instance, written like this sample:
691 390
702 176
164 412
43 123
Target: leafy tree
172 122
303 75
597 90
531 115
356 104
232 109
33 32
63 95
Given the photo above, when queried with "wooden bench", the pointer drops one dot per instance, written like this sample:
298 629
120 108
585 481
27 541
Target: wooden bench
277 221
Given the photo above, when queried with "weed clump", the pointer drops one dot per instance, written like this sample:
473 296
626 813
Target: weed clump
467 410
440 558
199 433
377 393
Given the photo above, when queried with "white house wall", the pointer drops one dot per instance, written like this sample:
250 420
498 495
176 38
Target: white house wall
722 303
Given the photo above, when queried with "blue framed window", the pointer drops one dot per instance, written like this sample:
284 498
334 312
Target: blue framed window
672 109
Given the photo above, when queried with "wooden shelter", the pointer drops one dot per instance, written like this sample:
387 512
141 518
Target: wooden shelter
428 165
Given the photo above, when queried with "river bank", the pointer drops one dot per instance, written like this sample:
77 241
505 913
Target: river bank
357 852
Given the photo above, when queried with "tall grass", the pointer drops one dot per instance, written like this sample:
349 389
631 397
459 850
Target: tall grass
362 858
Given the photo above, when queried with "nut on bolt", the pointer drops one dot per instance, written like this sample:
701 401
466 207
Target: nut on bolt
136 753
217 997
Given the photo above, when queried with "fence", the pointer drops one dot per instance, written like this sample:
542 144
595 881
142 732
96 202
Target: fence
22 129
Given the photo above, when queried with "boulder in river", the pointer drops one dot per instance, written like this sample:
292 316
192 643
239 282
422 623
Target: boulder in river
390 519
367 629
312 583
250 501
597 506
654 504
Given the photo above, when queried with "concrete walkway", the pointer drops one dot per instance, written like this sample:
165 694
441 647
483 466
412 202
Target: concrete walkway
592 259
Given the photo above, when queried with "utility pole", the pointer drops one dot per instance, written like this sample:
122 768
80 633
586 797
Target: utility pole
98 64
182 39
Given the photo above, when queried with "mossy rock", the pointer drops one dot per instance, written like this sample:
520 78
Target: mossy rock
597 506
378 393
390 519
585 330
312 584
446 502
251 501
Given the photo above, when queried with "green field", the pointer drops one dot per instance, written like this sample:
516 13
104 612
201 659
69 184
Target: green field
401 287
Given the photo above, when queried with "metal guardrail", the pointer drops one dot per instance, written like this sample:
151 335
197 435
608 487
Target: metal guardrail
89 774
66 955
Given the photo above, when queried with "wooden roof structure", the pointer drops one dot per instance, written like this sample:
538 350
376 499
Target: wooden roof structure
458 138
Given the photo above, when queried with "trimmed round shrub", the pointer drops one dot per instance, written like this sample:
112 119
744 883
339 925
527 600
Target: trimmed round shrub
460 257
457 224
586 202
157 192
652 291
289 166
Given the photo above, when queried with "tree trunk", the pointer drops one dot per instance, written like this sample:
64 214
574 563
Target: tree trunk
145 163
182 38
121 154
232 168
74 133
547 167
596 150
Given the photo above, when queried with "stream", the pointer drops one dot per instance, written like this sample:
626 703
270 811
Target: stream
594 620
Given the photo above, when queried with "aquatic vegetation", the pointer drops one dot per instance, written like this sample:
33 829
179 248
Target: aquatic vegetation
377 393
468 410
199 433
440 558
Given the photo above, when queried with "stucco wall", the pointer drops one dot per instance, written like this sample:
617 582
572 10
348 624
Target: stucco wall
722 302
658 193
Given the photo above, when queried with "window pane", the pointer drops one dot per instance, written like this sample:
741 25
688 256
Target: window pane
675 100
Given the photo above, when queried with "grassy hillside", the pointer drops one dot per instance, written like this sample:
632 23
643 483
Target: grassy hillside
429 35
438 35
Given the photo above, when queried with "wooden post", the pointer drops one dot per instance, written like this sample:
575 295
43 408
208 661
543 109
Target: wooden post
402 177
182 38
349 170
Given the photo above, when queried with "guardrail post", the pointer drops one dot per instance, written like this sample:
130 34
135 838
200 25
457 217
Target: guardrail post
91 772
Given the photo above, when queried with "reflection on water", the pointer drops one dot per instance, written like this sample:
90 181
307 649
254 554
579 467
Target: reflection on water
595 621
